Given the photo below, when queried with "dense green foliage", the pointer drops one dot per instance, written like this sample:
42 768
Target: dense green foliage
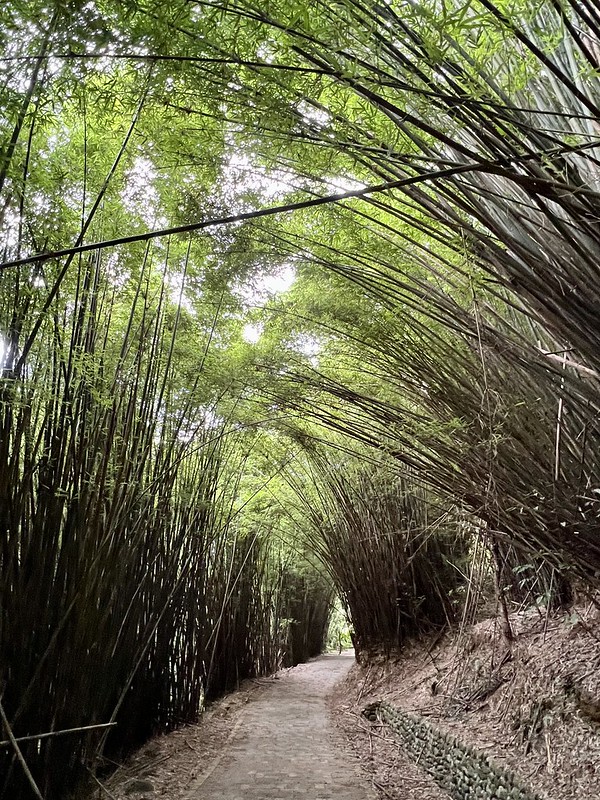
295 300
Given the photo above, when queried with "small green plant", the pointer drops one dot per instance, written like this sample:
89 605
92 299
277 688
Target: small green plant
338 634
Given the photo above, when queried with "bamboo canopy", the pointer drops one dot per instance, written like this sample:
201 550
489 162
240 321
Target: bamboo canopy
178 509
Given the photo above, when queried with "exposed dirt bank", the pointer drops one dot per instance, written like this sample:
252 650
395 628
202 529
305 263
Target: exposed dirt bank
532 704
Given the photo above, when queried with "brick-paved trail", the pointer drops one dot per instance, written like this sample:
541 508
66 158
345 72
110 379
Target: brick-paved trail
282 746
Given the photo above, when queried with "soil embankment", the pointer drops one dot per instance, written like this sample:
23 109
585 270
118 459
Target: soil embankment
532 705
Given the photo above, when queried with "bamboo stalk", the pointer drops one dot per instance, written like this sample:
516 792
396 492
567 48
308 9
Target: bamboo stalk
81 729
19 754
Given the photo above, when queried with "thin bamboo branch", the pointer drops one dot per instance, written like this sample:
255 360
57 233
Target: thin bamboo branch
19 754
51 734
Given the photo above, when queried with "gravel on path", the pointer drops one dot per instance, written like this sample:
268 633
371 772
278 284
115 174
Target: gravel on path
283 745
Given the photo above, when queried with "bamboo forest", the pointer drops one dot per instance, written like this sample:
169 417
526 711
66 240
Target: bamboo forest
300 344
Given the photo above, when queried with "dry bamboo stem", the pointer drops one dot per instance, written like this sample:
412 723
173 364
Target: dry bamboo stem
19 754
8 742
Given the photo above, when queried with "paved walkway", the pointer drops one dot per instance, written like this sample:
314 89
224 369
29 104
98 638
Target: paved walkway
282 748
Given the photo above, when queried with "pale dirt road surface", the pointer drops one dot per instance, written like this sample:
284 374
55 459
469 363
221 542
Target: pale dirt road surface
283 745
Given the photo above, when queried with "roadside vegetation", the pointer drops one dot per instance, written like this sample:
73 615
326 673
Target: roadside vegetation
299 305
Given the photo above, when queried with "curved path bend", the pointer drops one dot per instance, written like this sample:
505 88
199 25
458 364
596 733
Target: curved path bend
282 746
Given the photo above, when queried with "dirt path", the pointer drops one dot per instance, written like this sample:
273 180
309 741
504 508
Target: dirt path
283 745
